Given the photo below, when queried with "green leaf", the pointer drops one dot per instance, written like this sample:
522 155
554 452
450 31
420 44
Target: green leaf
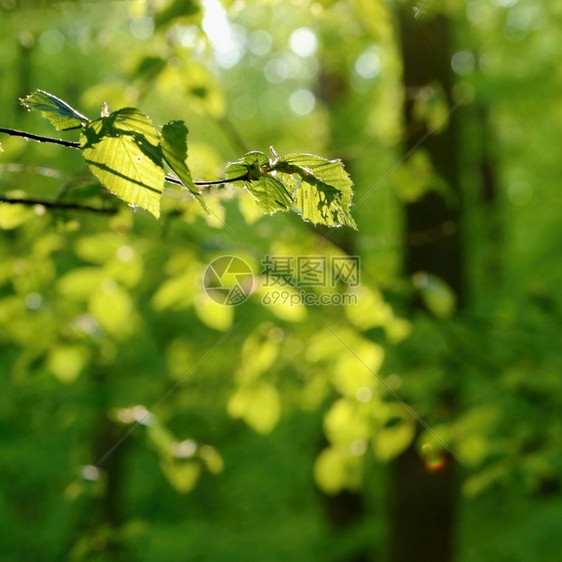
258 405
213 314
174 151
112 307
177 9
80 283
389 442
346 422
123 152
149 67
323 189
59 113
13 215
269 192
66 362
336 469
251 164
436 294
259 354
182 475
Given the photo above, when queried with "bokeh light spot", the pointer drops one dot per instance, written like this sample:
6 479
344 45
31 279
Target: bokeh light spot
33 301
363 394
259 42
368 64
302 102
142 28
463 62
228 41
51 41
520 193
303 42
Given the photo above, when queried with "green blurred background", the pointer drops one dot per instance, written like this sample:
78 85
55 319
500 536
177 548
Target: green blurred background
286 441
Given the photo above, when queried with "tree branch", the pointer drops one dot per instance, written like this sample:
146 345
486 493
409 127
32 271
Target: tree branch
57 205
171 179
219 182
38 138
73 144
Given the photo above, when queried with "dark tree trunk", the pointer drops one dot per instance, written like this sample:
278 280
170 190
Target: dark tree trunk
100 516
422 522
422 501
345 509
108 511
489 196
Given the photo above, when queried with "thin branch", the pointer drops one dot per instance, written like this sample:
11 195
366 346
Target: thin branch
57 205
171 179
38 138
219 182
72 144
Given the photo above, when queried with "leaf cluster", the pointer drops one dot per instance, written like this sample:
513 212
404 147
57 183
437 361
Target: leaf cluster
130 156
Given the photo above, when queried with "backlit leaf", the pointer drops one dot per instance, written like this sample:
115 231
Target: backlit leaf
270 194
323 189
66 362
13 215
436 294
346 421
258 405
80 283
112 307
250 164
174 151
389 442
336 469
182 475
123 152
320 189
213 314
59 113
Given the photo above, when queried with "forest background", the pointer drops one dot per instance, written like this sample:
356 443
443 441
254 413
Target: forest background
287 432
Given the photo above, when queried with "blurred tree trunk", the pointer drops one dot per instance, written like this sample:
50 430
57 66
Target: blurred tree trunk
489 197
423 502
101 517
108 511
344 510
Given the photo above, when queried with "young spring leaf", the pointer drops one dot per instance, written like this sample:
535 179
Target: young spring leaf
323 189
252 165
270 193
123 152
174 151
59 113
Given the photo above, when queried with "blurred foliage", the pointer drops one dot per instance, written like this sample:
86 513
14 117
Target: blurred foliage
221 429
